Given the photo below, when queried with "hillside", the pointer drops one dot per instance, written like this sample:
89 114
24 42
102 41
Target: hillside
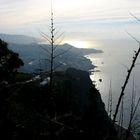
36 59
74 110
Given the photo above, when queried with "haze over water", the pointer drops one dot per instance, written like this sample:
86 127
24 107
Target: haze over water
113 65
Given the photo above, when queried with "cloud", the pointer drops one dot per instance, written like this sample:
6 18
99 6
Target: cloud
97 17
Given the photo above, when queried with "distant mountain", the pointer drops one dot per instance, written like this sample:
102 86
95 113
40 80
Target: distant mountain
18 39
83 51
36 58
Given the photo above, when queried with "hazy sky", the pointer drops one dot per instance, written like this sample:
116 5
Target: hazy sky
81 20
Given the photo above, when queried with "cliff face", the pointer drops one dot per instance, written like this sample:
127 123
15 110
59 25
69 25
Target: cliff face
88 104
74 109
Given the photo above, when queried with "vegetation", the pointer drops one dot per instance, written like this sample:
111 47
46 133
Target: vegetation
76 111
9 62
54 40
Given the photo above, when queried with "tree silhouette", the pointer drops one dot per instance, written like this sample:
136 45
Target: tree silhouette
54 40
9 62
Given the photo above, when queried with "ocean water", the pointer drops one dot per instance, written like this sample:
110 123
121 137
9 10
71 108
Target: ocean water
112 67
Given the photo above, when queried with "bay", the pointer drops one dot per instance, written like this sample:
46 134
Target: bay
112 67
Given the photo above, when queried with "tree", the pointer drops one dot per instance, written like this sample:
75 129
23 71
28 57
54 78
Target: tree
54 39
9 62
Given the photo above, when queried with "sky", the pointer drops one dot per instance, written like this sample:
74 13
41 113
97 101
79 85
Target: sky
82 21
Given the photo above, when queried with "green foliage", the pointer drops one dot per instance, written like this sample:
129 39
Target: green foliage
9 62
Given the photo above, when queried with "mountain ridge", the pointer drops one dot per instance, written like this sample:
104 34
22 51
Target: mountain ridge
34 55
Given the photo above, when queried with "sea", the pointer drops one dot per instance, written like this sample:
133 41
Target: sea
111 71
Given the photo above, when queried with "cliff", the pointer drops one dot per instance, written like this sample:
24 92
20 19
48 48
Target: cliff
73 109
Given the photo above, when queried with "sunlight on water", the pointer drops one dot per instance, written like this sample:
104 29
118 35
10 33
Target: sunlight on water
112 65
97 75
